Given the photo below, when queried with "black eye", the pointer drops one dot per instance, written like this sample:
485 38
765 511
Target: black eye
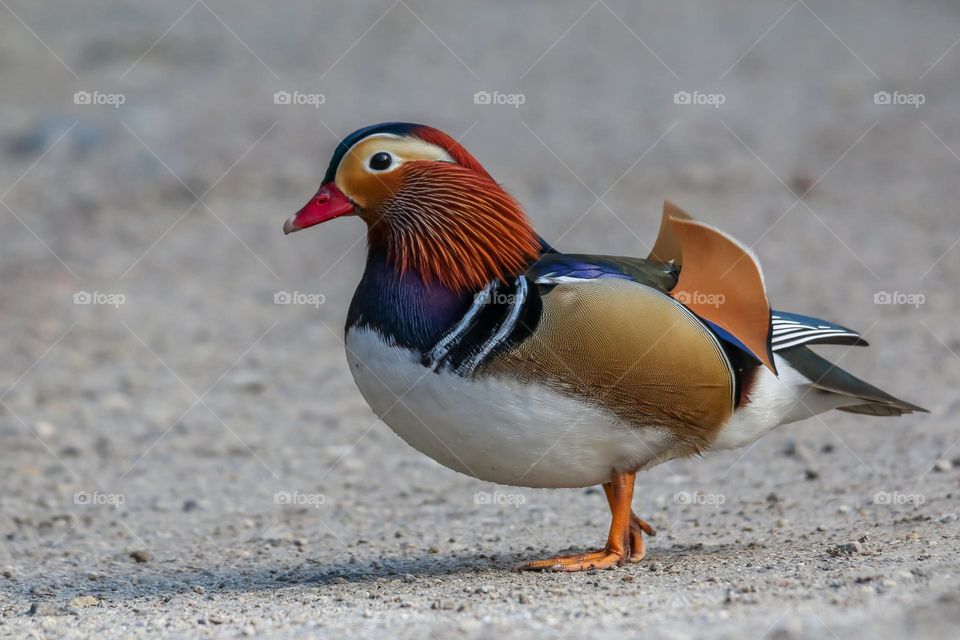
381 161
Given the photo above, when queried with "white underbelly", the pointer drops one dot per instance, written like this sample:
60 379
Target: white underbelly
497 430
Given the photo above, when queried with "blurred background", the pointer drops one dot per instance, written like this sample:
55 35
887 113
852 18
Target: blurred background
177 441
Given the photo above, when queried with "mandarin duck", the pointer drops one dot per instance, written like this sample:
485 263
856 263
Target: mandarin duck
502 358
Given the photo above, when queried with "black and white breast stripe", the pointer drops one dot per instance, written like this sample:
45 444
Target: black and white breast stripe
499 317
448 341
505 329
789 330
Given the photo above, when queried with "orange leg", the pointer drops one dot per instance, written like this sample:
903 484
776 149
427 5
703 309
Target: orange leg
637 528
617 550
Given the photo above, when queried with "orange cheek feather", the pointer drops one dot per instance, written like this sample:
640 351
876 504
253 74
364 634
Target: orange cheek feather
367 189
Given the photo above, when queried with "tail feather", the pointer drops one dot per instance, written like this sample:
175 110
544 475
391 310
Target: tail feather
826 376
882 410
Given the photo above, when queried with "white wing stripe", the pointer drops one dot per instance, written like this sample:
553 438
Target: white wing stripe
793 340
787 332
549 278
804 340
811 332
782 331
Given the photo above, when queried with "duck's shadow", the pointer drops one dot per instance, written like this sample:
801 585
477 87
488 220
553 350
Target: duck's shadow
158 579
162 579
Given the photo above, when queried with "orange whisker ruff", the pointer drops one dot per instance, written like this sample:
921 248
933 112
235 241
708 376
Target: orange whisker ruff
455 227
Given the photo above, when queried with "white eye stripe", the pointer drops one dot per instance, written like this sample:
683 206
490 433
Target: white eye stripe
406 148
402 149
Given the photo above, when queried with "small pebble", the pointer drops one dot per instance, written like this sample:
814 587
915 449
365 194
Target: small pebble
790 448
249 381
947 517
942 465
46 608
83 601
140 555
846 549
45 429
801 183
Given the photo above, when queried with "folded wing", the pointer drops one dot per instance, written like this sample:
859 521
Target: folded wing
631 350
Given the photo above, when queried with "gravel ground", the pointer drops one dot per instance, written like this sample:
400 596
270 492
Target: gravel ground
184 457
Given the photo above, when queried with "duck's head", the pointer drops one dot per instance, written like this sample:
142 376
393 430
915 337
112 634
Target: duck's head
428 204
